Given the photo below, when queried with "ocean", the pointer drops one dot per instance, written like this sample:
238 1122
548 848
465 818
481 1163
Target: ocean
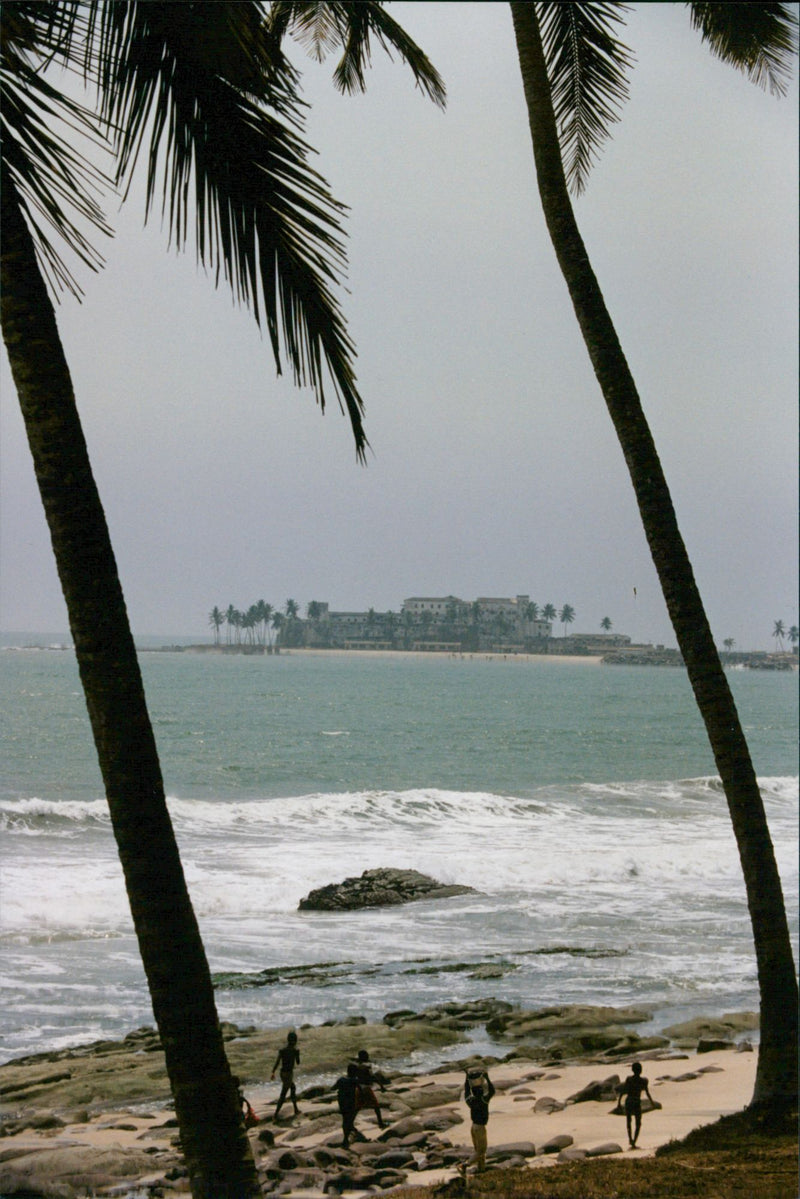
579 800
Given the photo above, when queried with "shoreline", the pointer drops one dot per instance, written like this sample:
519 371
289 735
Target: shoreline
546 1109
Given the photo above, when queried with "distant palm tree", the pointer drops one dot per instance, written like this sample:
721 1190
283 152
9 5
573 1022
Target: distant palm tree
532 612
391 624
793 635
606 624
566 616
728 643
216 619
778 633
230 620
549 613
266 621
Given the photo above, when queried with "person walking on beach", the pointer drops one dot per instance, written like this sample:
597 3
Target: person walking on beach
366 1096
346 1089
288 1057
478 1090
634 1086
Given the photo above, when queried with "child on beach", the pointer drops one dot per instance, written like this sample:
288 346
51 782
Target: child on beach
366 1096
346 1089
288 1057
478 1090
634 1086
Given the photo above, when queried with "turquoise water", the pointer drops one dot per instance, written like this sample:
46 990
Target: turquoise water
579 800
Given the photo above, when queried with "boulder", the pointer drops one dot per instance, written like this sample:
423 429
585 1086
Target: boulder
604 1149
597 1092
572 1154
547 1105
513 1149
381 887
556 1144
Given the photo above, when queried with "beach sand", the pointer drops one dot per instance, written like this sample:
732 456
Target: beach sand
693 1089
466 655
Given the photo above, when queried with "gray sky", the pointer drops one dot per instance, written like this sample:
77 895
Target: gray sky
494 469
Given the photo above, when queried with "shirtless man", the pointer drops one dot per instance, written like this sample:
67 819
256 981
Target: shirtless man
634 1086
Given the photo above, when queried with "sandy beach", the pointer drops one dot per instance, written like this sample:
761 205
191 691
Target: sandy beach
476 656
535 1121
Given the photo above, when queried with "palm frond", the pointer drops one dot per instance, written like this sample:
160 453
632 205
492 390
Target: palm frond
311 23
57 185
759 39
350 24
587 67
206 94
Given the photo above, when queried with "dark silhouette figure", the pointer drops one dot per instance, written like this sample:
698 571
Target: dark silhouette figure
288 1057
366 1096
632 1089
478 1090
346 1089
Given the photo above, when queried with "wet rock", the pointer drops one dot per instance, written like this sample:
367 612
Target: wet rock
378 888
708 1045
576 1018
725 1028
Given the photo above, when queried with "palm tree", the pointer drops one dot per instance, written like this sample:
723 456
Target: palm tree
728 644
266 619
549 614
793 635
532 612
230 620
606 624
204 96
566 616
216 620
778 633
573 74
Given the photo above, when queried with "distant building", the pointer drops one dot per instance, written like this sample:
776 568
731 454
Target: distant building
433 622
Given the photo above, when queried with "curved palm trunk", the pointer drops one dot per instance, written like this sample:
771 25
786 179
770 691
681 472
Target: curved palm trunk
213 1138
776 1079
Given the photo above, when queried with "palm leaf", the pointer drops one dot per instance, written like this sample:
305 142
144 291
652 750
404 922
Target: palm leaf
57 185
587 67
206 93
350 24
759 39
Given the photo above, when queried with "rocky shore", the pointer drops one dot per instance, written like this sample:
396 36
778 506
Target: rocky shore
97 1119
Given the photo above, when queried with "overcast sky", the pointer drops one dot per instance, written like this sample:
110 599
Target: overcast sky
494 467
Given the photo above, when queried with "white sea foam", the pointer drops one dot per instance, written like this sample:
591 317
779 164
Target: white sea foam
600 876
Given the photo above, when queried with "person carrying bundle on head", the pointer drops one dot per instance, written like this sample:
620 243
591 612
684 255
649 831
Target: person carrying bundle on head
478 1090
